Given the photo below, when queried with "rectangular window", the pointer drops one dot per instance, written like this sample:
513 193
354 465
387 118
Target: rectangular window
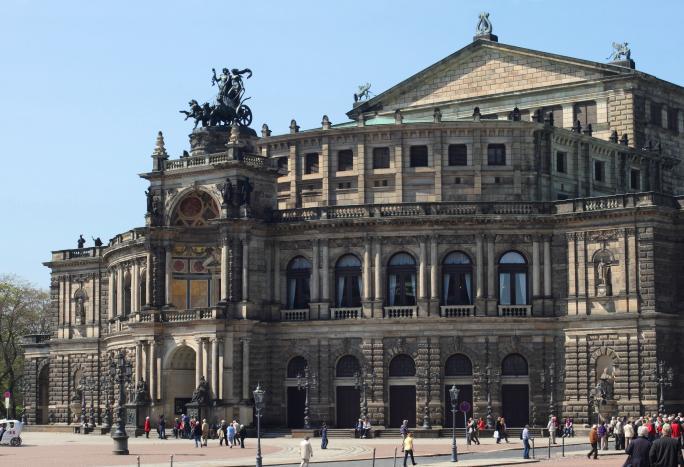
458 154
656 114
345 160
635 179
419 156
557 112
311 163
282 165
381 158
496 154
599 171
586 113
561 162
673 120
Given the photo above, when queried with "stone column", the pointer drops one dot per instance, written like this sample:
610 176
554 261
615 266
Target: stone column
119 291
148 280
158 379
143 360
367 269
325 271
314 272
138 361
479 260
434 281
198 360
214 368
225 276
535 268
491 269
568 116
135 287
276 272
379 291
221 346
205 358
572 291
245 269
547 266
110 295
421 268
169 278
152 378
245 368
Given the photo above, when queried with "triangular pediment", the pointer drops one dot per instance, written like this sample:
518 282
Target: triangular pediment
486 68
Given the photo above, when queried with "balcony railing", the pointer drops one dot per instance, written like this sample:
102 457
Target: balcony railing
250 160
400 311
346 313
294 315
456 311
515 310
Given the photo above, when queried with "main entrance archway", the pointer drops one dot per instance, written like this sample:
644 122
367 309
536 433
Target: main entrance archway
179 380
43 401
402 391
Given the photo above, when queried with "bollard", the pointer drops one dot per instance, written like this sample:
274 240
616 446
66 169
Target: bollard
171 460
395 458
532 448
138 459
549 447
374 457
563 447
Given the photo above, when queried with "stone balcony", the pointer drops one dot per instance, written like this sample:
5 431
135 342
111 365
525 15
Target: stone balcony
294 315
456 311
346 313
400 312
516 311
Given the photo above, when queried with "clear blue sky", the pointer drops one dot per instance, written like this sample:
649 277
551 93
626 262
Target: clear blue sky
85 86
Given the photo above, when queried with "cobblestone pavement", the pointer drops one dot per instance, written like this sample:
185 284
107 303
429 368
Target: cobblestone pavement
59 449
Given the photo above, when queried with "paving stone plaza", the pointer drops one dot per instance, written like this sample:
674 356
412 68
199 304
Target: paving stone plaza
506 221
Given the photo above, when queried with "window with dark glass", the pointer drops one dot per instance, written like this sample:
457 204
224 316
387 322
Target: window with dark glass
311 163
401 280
402 365
282 165
345 160
296 366
585 112
418 156
635 179
512 279
673 120
656 114
561 162
458 154
381 158
514 365
127 296
496 154
457 279
458 365
347 367
599 171
348 282
142 290
298 277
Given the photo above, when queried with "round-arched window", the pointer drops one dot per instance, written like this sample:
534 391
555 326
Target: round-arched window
402 365
348 282
512 279
458 365
295 367
347 367
401 280
195 209
298 288
457 279
514 365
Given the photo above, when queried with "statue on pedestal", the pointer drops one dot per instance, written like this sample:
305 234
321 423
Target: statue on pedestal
201 395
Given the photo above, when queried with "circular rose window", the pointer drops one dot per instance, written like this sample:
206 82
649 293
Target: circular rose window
195 210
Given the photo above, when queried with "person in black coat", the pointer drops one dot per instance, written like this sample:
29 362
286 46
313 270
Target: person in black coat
638 450
666 451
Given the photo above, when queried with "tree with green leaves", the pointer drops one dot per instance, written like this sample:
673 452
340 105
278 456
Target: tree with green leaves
23 310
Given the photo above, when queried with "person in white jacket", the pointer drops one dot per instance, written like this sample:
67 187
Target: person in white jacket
306 452
628 430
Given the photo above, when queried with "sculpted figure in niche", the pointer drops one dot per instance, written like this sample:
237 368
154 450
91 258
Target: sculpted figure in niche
605 370
604 282
80 309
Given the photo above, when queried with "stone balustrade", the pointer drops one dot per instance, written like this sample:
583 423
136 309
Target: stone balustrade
400 312
346 313
515 310
456 311
249 160
294 315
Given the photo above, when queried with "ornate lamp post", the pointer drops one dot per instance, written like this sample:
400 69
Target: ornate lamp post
306 382
105 419
490 418
121 370
665 378
453 394
259 406
428 389
362 382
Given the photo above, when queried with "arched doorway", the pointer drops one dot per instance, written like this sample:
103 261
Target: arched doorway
179 380
295 397
402 391
43 394
515 390
458 371
347 397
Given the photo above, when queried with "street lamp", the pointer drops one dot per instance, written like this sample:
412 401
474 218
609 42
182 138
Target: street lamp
453 393
306 382
428 389
665 378
105 419
364 381
490 418
87 384
121 370
259 406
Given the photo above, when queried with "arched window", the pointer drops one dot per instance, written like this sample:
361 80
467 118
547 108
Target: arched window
298 289
512 279
127 295
401 280
457 279
295 367
514 365
458 365
195 209
348 282
402 365
347 367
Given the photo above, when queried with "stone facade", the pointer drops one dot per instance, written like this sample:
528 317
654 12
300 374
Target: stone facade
519 259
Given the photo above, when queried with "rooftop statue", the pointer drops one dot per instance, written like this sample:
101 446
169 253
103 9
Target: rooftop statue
484 26
620 49
363 93
229 107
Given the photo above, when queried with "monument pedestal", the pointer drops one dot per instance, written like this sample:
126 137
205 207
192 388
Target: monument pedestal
135 419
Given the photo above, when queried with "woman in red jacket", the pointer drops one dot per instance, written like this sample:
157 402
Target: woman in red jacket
147 427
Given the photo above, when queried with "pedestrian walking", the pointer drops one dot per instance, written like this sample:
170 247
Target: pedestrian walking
666 451
176 428
593 440
603 436
474 431
324 436
403 431
161 427
222 433
147 427
205 431
197 435
504 430
306 452
497 430
619 434
231 435
638 449
552 426
628 433
236 430
408 448
525 436
242 434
